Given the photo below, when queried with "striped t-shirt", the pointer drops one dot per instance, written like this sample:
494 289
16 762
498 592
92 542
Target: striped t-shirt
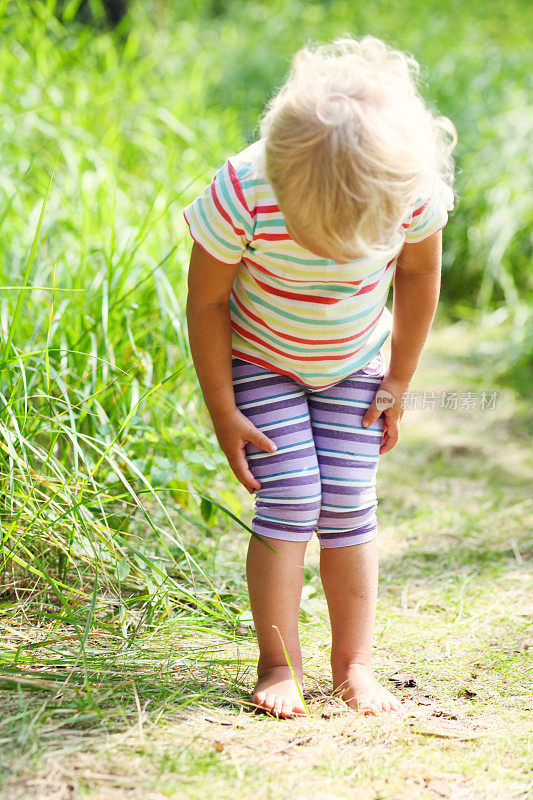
292 311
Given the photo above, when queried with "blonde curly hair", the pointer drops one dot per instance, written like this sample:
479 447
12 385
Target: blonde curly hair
349 142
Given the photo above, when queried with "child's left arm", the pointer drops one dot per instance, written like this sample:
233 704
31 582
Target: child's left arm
416 295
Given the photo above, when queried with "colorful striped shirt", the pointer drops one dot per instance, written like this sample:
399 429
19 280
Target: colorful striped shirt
292 311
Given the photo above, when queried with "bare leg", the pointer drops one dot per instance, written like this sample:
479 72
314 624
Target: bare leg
350 580
275 586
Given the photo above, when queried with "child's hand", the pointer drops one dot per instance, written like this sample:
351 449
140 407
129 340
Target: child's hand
387 401
234 431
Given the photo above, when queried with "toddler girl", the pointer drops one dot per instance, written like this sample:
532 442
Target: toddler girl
296 242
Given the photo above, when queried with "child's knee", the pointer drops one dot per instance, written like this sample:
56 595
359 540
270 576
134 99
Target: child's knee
289 505
341 524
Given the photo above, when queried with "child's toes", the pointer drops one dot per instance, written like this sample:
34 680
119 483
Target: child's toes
371 709
393 708
395 704
287 711
259 699
278 706
270 702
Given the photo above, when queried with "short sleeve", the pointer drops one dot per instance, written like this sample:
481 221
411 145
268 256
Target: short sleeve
219 219
429 211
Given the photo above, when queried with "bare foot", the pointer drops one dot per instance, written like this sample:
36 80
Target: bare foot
276 692
363 692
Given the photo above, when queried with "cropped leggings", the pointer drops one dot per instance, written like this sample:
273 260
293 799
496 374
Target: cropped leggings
323 475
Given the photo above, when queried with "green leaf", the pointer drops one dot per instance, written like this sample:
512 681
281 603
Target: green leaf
207 509
180 492
123 569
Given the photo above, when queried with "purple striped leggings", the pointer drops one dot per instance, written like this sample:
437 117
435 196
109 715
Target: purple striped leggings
323 475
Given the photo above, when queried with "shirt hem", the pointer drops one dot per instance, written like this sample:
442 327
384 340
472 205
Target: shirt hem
204 248
426 236
260 362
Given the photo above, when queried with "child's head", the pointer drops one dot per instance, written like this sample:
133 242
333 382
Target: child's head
349 142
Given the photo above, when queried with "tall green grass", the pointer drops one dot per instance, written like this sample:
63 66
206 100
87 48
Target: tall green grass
107 459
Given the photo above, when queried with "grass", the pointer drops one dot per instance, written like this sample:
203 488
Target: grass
167 716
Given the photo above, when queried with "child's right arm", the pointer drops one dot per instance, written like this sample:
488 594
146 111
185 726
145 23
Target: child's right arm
209 326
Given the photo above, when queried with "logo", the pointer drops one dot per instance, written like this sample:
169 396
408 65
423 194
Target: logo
384 399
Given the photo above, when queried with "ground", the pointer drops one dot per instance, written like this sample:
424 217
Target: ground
451 640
